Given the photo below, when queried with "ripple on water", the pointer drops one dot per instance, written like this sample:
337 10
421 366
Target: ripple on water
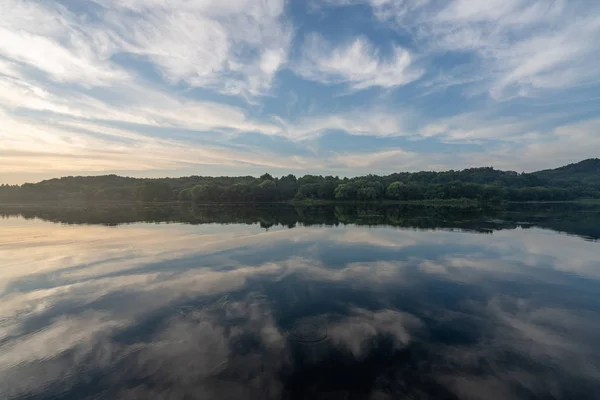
308 333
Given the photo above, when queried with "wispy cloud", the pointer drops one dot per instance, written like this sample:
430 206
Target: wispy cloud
391 159
49 38
198 42
235 47
86 146
486 126
358 63
86 84
368 121
522 45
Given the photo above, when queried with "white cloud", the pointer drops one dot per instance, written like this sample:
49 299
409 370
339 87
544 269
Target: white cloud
67 139
508 143
60 85
51 39
523 148
70 73
485 126
567 144
357 63
521 46
9 69
131 103
524 45
235 47
77 146
552 60
390 159
371 121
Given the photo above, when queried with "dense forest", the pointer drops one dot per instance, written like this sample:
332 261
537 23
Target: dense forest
487 185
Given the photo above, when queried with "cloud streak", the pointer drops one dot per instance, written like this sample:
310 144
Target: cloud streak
523 45
358 63
188 84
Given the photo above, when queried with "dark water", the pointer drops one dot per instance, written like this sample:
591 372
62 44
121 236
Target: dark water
299 303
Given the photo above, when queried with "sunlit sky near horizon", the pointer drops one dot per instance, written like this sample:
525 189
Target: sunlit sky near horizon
342 87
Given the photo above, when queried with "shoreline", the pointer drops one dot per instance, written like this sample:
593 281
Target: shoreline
460 203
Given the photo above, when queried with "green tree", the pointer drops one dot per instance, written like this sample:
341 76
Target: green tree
186 195
345 191
155 190
397 191
366 193
267 191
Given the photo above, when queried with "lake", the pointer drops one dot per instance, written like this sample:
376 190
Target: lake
277 302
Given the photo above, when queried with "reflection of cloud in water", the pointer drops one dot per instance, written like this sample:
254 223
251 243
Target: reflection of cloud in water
357 331
212 351
374 237
80 252
59 354
526 350
81 305
233 349
356 274
308 332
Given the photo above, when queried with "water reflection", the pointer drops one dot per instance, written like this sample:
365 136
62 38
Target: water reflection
579 219
334 312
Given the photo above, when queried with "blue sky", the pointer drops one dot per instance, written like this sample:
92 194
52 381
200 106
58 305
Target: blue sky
342 87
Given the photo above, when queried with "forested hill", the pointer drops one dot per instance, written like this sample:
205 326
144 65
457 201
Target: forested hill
571 182
586 172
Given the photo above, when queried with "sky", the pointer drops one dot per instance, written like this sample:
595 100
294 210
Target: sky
155 88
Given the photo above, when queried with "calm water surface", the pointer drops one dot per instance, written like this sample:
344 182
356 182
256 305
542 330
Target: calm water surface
281 303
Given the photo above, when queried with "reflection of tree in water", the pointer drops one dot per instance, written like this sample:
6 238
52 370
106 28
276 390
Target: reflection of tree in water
582 220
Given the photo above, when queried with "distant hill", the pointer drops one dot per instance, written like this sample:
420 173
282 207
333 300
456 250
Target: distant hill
585 172
571 182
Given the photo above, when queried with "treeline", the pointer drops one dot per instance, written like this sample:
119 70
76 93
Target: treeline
485 185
